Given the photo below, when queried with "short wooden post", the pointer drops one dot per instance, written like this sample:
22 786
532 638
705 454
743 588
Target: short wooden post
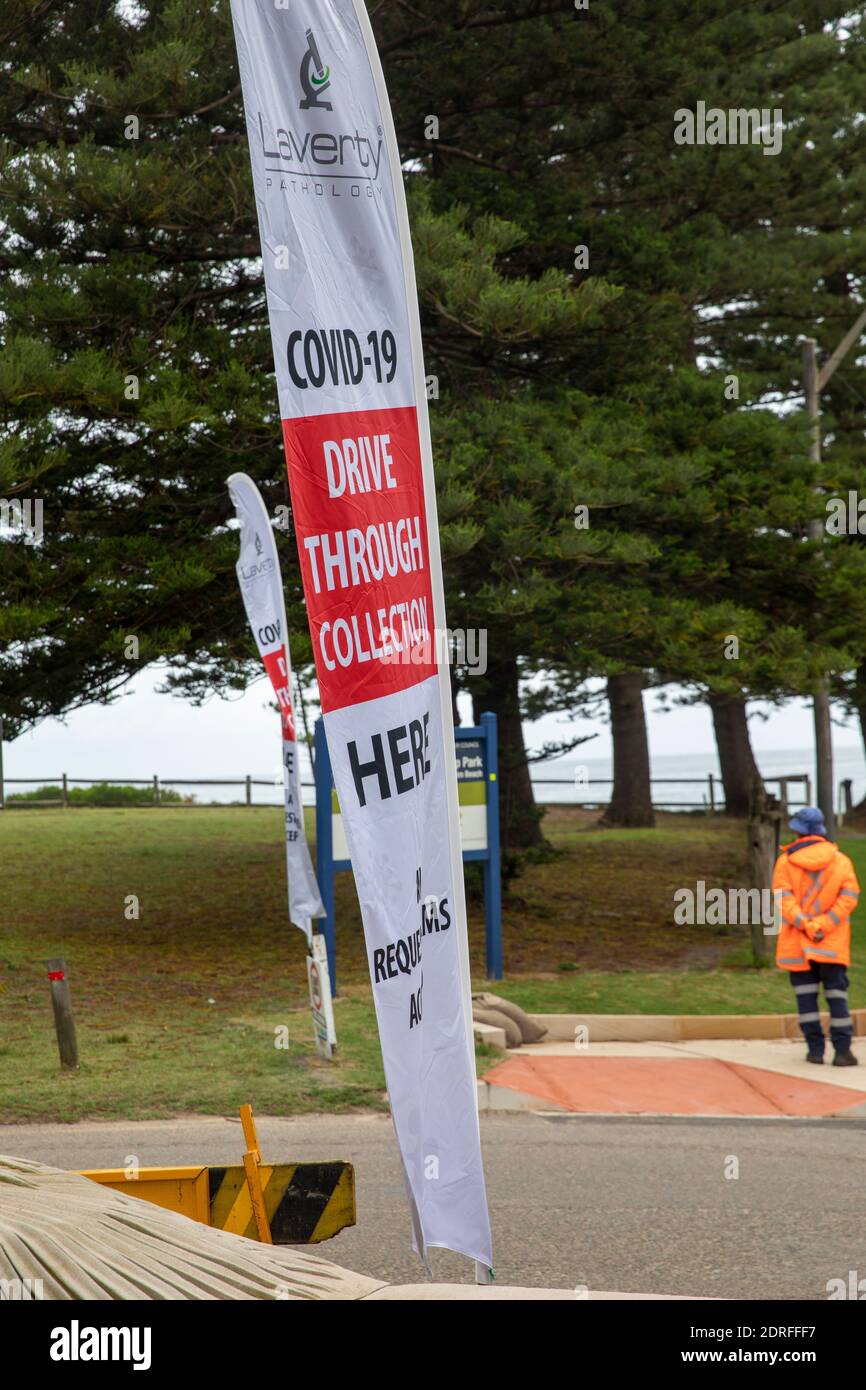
783 796
2 792
808 780
847 796
65 789
712 785
155 790
249 790
64 1023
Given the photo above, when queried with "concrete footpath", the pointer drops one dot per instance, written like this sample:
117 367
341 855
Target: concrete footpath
723 1077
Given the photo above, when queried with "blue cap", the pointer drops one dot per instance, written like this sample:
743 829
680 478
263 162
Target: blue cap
808 821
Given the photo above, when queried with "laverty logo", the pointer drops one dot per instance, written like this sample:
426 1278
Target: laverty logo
254 571
323 149
315 77
350 154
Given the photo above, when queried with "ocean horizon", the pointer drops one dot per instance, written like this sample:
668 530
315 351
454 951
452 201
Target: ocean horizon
556 780
680 779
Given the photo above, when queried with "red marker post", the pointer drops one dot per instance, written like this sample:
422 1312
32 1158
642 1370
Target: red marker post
64 1023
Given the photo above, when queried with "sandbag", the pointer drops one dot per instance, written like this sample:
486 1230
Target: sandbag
530 1031
513 1037
79 1240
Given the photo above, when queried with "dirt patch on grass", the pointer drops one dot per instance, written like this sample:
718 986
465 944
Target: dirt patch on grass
606 901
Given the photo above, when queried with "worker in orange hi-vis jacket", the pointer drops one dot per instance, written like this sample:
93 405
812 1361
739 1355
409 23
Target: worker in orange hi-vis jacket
816 890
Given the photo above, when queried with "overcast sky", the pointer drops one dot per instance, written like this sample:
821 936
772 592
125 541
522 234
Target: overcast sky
145 733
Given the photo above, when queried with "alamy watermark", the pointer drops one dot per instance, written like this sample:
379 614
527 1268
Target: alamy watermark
21 1290
853 1288
401 636
457 646
738 125
19 514
727 907
77 1343
846 516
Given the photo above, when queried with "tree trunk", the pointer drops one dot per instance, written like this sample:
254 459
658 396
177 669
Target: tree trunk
631 803
740 774
763 834
519 817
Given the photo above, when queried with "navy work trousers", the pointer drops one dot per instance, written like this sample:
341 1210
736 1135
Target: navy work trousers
834 978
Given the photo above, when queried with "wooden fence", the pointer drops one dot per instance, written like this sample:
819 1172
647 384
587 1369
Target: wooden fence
713 800
157 785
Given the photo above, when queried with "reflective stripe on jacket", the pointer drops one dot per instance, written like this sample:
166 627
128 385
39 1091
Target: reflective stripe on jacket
816 890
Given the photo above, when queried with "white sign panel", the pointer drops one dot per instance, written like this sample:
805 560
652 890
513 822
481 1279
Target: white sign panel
324 1031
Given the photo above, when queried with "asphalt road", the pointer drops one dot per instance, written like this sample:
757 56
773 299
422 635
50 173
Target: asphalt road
627 1204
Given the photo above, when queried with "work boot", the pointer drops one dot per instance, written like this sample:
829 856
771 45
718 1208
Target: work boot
845 1059
816 1057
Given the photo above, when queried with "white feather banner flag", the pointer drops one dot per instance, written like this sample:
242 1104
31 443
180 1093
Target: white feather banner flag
346 334
258 571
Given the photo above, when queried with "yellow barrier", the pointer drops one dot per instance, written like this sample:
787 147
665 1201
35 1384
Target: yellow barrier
304 1203
279 1203
186 1190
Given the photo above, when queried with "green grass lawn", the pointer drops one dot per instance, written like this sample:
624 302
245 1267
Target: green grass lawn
179 1009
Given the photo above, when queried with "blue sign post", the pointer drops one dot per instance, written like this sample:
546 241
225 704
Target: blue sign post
478 796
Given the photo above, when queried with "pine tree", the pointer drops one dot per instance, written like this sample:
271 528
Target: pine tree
728 255
137 372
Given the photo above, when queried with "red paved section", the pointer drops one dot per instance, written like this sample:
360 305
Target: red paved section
676 1086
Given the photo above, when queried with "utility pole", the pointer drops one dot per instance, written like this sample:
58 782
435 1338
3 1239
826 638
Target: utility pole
814 382
821 701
